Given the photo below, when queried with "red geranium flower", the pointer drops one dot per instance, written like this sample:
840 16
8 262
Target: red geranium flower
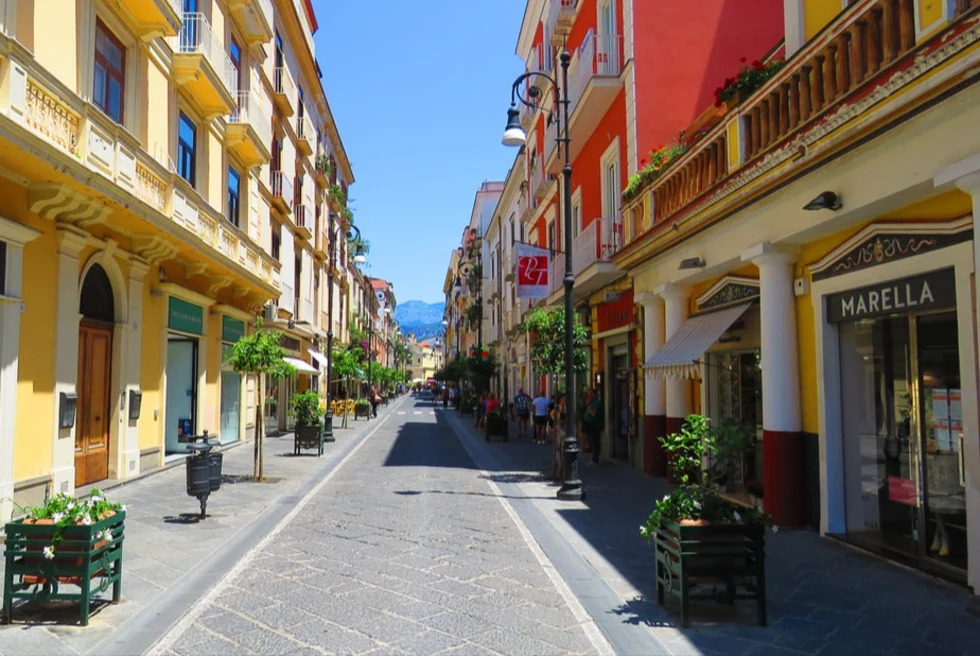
757 65
486 354
744 59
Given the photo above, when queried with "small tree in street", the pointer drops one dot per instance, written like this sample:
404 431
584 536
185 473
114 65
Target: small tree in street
547 329
261 355
345 364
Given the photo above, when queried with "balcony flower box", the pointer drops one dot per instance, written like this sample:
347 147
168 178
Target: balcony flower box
68 550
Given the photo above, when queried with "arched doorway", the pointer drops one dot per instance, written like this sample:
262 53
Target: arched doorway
94 377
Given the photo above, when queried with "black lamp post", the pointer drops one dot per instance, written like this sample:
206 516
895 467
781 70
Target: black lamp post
358 259
514 136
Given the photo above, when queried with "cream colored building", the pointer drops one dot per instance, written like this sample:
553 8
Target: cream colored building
159 190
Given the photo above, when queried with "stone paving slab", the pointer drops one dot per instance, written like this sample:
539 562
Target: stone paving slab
824 597
405 550
164 540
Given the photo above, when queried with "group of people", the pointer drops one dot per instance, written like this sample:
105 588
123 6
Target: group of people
548 415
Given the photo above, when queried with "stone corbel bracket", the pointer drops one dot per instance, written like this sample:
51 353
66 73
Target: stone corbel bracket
58 202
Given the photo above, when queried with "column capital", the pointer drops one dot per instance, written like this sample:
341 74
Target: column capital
672 292
138 268
964 174
970 184
71 240
647 298
769 253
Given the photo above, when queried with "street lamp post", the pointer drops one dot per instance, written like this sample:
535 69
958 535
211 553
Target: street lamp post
571 488
358 259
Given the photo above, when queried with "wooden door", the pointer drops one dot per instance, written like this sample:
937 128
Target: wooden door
92 412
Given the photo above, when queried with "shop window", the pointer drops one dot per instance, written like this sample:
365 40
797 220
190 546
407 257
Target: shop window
186 148
109 78
735 398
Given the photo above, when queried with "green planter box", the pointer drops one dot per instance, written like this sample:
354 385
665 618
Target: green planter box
496 427
727 559
308 437
83 564
362 411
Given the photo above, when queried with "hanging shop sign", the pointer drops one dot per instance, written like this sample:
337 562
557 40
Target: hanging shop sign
928 291
532 272
185 317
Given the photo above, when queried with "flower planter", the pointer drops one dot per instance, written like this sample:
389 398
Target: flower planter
691 554
308 437
362 411
82 559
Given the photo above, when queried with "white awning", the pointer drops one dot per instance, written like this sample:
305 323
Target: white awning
679 356
319 357
301 367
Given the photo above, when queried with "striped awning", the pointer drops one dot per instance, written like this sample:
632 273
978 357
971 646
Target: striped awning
679 357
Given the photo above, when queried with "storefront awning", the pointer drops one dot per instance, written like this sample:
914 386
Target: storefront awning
320 358
678 358
301 367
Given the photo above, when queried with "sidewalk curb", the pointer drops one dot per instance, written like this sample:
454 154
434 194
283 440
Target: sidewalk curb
595 595
154 623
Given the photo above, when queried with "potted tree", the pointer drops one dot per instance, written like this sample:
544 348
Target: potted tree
362 408
308 432
699 537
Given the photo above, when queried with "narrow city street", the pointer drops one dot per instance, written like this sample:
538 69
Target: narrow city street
406 549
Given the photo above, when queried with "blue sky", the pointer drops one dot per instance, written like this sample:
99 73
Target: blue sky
419 91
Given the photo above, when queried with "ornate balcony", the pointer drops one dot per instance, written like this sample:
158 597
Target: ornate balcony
303 218
869 61
282 191
561 18
153 18
255 19
249 131
203 68
305 135
285 90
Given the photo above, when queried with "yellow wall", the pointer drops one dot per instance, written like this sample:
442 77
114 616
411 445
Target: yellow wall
55 37
209 413
215 172
158 122
34 432
817 13
151 365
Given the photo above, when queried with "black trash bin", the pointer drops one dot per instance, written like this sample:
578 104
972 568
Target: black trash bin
203 468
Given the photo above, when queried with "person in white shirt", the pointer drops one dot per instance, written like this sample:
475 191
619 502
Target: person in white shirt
542 404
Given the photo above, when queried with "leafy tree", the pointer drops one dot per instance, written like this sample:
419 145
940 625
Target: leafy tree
547 329
346 367
261 355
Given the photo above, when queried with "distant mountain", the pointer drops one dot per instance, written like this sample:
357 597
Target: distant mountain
423 319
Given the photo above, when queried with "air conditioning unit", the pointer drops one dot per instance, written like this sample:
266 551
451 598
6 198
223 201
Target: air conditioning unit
270 312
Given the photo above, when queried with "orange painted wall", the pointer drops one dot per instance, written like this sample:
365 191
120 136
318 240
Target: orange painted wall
586 171
683 51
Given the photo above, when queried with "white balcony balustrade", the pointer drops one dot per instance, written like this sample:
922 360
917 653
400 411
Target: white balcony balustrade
599 55
197 38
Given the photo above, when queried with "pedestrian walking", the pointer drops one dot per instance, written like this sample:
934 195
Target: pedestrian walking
522 410
481 410
541 404
375 400
592 422
557 437
445 398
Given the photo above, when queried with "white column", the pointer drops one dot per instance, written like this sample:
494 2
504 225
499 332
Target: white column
71 241
654 389
676 301
794 27
15 235
780 356
129 458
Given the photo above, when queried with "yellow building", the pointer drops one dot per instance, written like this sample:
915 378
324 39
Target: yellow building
807 266
148 149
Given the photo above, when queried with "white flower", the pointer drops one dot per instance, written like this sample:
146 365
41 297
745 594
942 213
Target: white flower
57 517
86 521
666 496
49 553
738 517
775 529
70 506
105 535
123 507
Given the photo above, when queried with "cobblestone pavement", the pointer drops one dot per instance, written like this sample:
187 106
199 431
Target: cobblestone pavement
165 543
406 550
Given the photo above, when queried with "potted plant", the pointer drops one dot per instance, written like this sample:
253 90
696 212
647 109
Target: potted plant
700 537
737 90
362 409
67 540
755 490
308 431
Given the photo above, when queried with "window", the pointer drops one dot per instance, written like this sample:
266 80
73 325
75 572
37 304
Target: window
276 242
186 148
235 52
301 110
3 268
234 195
109 79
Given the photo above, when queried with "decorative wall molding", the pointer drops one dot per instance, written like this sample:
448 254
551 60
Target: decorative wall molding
730 290
155 249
